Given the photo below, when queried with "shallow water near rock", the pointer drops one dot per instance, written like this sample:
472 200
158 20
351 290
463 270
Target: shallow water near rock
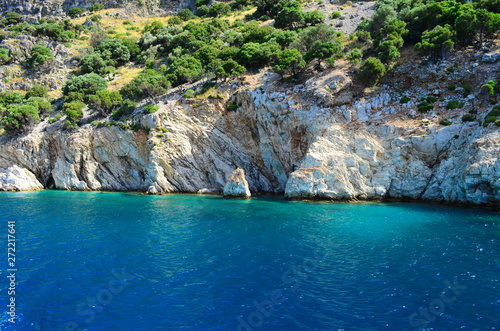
118 261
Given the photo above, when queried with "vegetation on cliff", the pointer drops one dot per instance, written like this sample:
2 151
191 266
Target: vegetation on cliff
221 42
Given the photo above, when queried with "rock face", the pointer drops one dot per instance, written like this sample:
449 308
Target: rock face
58 8
237 185
18 179
300 141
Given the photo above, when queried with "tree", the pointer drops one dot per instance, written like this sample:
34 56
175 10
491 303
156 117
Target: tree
4 56
290 62
436 42
183 69
20 118
308 36
202 11
12 18
388 51
43 106
226 69
39 56
73 111
185 14
256 55
76 12
96 7
93 63
105 102
314 17
87 84
219 9
113 51
371 71
37 90
290 17
322 51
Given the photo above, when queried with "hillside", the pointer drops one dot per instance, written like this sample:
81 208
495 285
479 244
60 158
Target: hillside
301 96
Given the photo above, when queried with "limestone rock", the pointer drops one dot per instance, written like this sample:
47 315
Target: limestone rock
237 185
18 179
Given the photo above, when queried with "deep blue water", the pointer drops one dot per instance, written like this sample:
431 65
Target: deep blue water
117 261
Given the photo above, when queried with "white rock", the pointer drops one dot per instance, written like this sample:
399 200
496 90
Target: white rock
237 185
15 178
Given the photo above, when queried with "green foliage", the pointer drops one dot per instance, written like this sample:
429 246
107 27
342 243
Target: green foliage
39 56
335 14
467 118
4 56
113 51
20 118
219 9
175 20
76 12
150 83
424 107
189 94
96 7
125 109
492 87
186 14
87 85
431 99
355 56
445 122
43 106
436 42
12 18
404 99
309 36
202 11
454 104
257 55
184 69
37 90
290 17
73 111
467 89
371 71
105 102
452 88
93 63
322 51
150 109
290 62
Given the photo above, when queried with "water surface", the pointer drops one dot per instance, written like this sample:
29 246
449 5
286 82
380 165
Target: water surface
118 261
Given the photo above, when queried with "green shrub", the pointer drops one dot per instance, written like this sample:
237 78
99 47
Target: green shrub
454 104
105 102
185 14
424 107
175 20
495 111
73 111
39 56
445 122
125 109
355 55
20 118
150 109
404 99
232 106
87 85
96 7
37 90
219 9
467 118
335 14
451 88
75 12
4 56
497 122
189 94
371 71
467 89
12 18
431 99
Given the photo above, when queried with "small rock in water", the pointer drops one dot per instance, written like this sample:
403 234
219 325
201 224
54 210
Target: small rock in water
237 185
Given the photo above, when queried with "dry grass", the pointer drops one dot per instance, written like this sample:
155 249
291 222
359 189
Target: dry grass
124 75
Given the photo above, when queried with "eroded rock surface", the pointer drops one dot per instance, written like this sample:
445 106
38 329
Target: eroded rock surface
237 185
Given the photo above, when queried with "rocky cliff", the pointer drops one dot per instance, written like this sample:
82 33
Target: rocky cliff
323 139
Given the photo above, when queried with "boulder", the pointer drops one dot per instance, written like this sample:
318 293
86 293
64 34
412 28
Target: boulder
18 179
237 185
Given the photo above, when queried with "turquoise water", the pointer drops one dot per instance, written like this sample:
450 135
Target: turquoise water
117 261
